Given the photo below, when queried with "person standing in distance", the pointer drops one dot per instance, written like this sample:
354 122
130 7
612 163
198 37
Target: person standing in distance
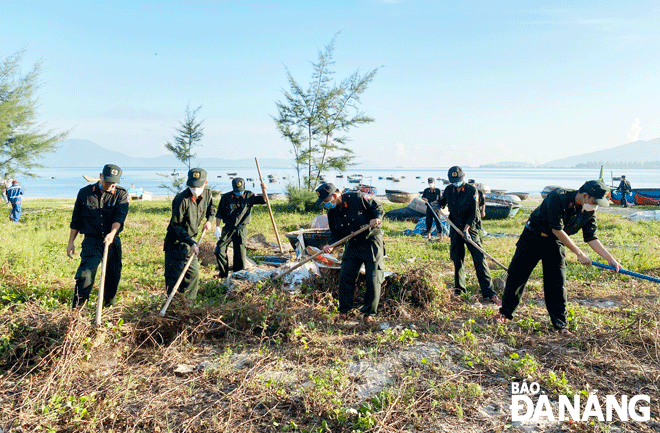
462 199
431 195
190 208
347 213
15 198
99 214
625 188
235 211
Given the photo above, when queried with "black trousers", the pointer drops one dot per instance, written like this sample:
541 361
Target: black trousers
176 257
237 235
371 254
457 255
91 255
429 222
530 249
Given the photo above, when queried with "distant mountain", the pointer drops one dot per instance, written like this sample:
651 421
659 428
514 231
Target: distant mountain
86 153
627 155
508 164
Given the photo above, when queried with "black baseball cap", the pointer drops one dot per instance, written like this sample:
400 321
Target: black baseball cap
238 184
597 190
455 174
111 173
324 191
196 177
431 180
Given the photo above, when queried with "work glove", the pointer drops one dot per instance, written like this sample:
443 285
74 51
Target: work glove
218 232
466 236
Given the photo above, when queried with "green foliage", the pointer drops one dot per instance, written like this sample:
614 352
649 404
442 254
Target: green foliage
315 121
189 135
300 199
22 142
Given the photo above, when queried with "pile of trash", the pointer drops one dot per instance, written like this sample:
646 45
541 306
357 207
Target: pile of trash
414 211
420 229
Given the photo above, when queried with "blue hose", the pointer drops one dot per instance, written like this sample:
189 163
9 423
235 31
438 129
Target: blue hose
624 272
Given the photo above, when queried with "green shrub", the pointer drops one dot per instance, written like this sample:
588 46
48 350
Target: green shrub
300 199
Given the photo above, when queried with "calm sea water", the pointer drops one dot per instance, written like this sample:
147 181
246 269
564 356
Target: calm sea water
65 182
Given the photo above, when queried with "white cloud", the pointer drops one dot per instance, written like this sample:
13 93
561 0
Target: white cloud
633 132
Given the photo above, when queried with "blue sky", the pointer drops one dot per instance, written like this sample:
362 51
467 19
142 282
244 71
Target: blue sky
462 82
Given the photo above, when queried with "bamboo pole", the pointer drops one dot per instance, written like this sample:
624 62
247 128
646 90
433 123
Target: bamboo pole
104 265
270 211
474 244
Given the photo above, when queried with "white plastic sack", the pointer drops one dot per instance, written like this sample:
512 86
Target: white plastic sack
647 215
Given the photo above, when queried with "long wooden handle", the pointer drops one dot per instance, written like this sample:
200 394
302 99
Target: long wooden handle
339 242
474 244
99 301
270 211
183 274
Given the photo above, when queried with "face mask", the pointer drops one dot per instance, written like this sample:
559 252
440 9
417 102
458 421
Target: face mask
457 184
431 185
238 193
589 207
111 188
328 205
197 191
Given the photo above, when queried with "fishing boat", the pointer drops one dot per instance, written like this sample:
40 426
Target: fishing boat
497 209
396 196
312 237
548 189
506 197
354 178
367 189
90 179
340 176
396 179
389 177
232 174
521 195
639 196
498 191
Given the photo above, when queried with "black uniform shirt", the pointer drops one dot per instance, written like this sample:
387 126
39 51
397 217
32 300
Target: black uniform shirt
96 210
237 210
462 203
187 215
354 212
560 212
431 196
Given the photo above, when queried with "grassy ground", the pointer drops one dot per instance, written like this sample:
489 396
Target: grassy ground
265 360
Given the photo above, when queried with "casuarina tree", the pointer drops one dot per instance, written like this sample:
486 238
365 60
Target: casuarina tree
23 142
189 134
316 120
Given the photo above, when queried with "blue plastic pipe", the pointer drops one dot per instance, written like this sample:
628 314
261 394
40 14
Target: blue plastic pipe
624 272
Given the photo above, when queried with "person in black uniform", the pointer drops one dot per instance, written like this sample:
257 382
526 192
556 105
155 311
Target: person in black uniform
546 234
347 213
462 200
190 208
235 211
431 195
625 188
99 214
